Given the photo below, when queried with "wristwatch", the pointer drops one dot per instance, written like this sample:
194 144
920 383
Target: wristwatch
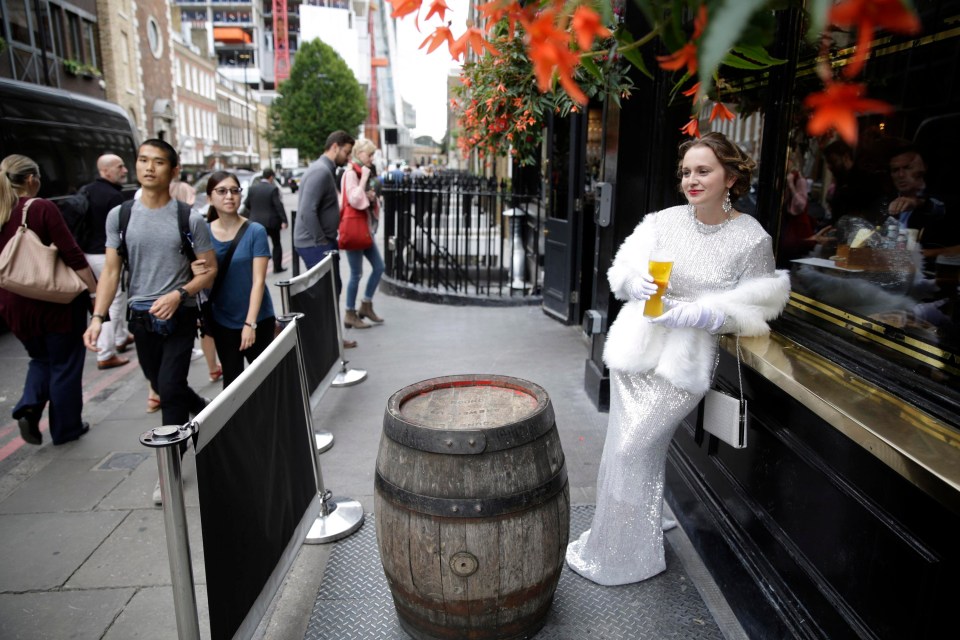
184 294
102 317
252 325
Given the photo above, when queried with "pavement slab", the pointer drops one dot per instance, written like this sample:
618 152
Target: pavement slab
66 485
42 550
136 554
150 616
59 615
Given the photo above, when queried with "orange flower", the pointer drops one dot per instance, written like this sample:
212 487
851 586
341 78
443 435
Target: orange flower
475 39
438 37
867 16
692 91
686 56
494 10
438 7
404 7
586 24
720 111
837 106
692 128
549 50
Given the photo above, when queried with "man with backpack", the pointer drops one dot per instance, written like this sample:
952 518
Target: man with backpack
154 240
90 230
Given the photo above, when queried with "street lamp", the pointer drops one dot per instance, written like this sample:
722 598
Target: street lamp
245 57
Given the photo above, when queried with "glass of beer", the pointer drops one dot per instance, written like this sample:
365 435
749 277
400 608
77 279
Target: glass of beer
661 263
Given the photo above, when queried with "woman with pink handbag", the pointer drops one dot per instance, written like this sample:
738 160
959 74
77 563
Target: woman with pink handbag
51 332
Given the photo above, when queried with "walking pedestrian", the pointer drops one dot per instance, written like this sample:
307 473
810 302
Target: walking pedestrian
722 281
265 207
319 208
242 314
50 332
358 191
105 193
155 238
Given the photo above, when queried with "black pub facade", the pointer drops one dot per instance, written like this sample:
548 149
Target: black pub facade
839 520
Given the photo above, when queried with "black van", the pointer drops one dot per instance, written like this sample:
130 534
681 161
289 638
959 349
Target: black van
64 133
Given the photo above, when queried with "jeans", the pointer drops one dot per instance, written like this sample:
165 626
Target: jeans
313 255
165 361
355 260
55 375
228 347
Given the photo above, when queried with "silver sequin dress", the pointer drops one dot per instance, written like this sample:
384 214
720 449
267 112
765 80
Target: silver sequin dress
625 542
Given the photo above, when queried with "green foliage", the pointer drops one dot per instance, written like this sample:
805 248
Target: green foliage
320 97
499 106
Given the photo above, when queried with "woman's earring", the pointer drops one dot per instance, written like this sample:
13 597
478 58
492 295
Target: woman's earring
727 205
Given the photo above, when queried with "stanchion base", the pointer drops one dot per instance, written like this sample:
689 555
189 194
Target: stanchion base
349 377
324 440
345 517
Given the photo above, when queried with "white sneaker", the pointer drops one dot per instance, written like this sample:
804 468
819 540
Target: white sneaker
196 354
157 498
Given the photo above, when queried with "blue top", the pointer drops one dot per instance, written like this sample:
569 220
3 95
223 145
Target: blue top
233 299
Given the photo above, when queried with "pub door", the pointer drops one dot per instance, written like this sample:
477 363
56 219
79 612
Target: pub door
563 188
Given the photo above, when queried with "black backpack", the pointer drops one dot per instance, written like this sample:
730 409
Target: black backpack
186 237
75 210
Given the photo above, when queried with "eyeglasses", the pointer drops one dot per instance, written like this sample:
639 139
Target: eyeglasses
222 191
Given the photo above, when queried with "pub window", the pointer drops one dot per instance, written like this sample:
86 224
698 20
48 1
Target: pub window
90 39
871 232
18 16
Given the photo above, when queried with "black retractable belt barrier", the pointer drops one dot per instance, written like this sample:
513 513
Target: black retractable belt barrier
314 296
258 480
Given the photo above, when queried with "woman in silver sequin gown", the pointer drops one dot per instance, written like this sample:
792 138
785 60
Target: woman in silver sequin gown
723 281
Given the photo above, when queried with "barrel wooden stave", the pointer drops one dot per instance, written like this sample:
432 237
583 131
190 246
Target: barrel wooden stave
464 486
512 588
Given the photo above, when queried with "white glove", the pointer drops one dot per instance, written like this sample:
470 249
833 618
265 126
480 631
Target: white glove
641 287
690 314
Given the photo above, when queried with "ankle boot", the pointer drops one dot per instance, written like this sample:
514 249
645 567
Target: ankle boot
352 320
366 311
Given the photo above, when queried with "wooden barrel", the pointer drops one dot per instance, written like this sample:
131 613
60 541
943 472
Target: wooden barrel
472 507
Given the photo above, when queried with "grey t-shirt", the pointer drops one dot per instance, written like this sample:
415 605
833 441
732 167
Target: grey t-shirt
153 242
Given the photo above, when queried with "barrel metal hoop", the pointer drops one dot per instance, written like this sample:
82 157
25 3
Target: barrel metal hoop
469 441
472 507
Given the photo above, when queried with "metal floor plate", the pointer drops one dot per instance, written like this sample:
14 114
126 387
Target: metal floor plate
354 600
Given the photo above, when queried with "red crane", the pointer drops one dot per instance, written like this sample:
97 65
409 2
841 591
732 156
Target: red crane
281 43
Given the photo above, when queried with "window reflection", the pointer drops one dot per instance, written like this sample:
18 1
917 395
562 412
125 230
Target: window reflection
871 234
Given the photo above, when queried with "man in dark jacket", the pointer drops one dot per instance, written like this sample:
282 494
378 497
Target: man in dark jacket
264 206
105 193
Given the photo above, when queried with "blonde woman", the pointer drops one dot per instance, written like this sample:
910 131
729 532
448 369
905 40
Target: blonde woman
358 188
52 333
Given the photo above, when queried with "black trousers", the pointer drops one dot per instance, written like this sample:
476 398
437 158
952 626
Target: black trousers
165 361
274 234
228 347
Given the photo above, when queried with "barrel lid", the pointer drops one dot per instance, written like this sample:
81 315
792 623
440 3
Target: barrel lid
468 414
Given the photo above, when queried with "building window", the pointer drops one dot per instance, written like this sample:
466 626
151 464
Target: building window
154 38
871 232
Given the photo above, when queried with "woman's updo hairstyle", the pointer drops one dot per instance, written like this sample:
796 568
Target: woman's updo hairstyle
363 145
215 179
734 161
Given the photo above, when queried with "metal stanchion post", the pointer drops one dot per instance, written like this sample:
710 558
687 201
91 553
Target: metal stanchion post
295 257
167 440
339 517
345 377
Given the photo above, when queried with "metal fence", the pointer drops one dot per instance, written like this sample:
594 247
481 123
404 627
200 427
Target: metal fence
460 234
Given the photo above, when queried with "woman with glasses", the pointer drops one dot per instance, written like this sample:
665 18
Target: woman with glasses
52 333
241 313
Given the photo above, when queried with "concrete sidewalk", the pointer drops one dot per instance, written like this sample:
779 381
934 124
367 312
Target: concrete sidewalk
83 552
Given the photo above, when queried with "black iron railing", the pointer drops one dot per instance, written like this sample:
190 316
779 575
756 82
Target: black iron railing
462 234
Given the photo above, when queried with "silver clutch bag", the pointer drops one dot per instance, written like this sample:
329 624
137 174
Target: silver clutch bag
723 415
